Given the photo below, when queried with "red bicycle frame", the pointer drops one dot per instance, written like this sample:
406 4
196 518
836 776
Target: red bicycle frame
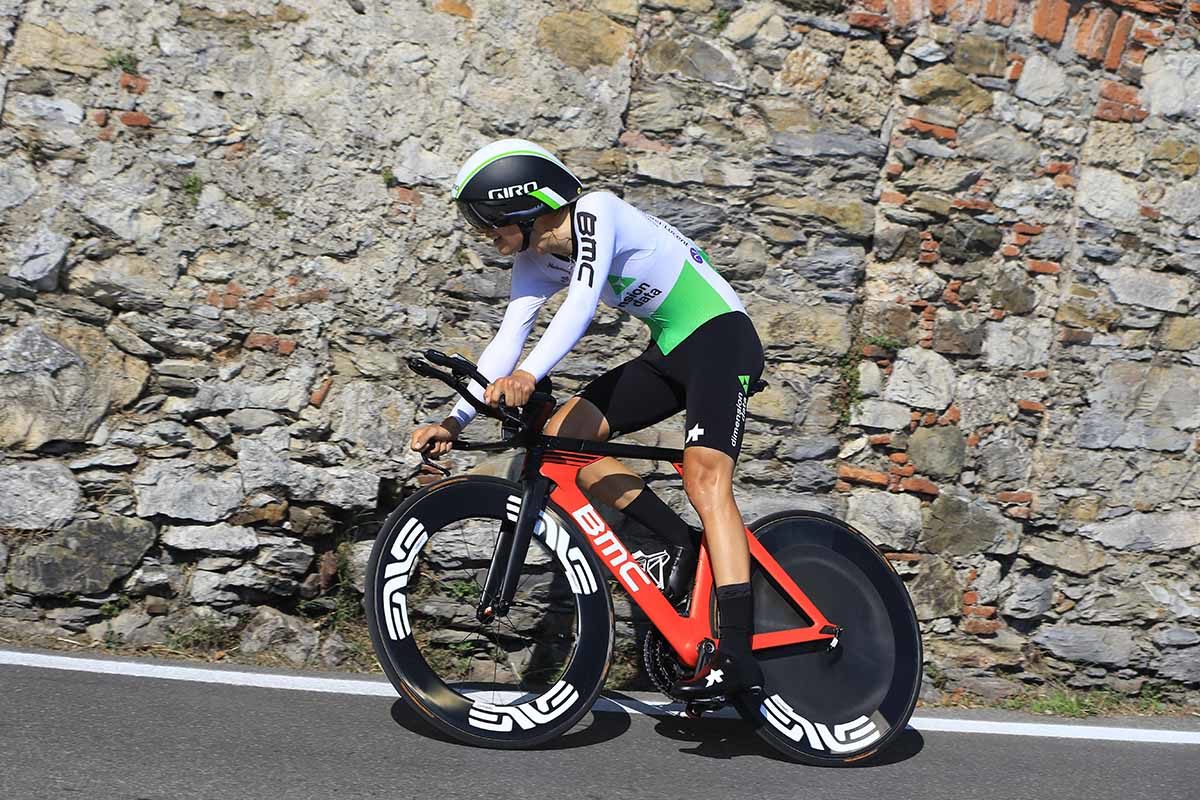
558 460
684 633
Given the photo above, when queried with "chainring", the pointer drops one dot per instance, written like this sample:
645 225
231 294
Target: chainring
660 661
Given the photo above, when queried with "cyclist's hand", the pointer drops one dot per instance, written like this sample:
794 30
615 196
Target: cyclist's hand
515 388
434 440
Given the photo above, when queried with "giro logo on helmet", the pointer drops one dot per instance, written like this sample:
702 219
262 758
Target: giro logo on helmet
505 192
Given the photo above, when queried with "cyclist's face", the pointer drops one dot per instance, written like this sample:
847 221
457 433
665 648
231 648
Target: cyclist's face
507 239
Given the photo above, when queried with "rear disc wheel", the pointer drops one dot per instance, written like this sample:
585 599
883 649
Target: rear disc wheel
831 705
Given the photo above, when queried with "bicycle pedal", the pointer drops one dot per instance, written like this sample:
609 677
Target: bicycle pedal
696 708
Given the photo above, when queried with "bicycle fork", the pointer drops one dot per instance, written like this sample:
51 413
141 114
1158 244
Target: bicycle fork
512 544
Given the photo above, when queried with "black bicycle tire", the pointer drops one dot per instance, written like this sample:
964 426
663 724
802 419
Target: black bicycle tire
405 686
754 714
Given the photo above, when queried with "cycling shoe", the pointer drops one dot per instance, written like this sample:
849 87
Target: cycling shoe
721 676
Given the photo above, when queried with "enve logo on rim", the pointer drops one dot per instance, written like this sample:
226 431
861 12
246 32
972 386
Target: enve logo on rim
845 737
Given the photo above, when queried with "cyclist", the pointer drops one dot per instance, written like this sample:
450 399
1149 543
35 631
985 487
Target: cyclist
703 356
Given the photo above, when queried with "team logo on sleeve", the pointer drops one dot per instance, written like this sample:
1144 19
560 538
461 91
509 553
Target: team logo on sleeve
586 225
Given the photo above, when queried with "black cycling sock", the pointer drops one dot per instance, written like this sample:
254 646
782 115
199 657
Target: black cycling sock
735 609
649 509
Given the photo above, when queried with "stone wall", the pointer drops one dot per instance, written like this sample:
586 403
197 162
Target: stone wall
968 232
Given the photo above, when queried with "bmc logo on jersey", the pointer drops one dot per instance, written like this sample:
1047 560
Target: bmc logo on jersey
585 225
506 192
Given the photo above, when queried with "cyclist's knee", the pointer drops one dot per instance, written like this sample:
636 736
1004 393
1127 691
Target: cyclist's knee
707 489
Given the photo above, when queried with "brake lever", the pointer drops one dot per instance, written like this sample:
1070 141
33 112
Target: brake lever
507 415
426 461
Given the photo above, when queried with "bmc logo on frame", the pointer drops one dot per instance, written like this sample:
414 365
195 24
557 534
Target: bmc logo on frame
505 192
604 540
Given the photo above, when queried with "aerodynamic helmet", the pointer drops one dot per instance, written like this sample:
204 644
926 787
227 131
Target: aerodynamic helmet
512 182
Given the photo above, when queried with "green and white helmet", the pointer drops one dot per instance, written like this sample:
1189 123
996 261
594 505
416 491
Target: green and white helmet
511 182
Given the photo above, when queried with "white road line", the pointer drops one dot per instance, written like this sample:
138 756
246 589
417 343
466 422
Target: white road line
624 703
138 669
1101 733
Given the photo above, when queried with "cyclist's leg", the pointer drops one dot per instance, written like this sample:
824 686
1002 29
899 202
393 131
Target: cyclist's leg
630 397
721 359
627 398
578 419
708 481
608 479
719 362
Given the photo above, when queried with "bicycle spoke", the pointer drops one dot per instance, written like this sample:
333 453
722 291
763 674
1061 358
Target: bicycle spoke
495 668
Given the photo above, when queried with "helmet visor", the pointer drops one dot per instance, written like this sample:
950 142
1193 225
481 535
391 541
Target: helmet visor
471 214
488 214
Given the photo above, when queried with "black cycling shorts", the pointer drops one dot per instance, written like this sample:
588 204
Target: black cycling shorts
709 374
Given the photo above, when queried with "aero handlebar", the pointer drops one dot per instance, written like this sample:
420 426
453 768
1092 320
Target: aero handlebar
458 378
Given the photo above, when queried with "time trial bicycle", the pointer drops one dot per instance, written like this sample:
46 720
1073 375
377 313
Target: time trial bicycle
489 609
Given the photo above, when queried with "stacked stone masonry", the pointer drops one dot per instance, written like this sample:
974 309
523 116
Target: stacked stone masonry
968 232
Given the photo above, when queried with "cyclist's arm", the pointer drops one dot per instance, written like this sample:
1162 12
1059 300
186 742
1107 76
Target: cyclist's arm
594 244
529 293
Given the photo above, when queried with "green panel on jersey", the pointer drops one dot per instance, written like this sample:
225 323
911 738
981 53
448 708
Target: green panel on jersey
745 381
691 302
619 285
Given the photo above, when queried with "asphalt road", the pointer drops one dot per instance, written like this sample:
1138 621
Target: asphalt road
70 734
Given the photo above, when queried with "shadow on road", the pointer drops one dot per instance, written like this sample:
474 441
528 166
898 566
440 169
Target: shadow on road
728 738
715 738
602 728
711 737
906 745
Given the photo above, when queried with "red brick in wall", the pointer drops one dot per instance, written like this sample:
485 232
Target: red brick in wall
1001 12
1096 27
1050 19
907 11
1101 31
1162 8
1116 45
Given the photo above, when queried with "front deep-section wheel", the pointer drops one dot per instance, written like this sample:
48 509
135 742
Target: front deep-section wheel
523 677
823 703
